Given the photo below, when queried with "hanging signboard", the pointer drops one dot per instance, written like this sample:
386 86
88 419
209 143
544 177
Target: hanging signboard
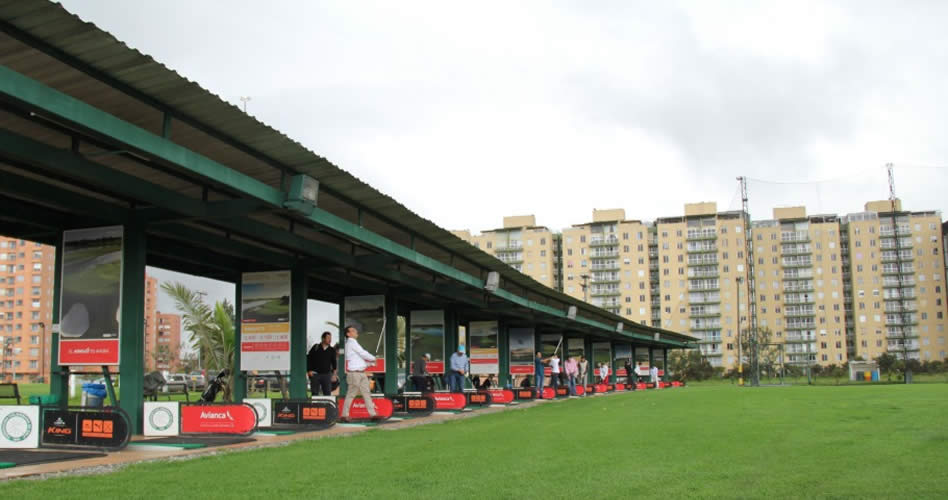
161 418
602 353
623 354
91 296
19 426
427 337
575 348
521 351
658 358
483 342
549 344
641 362
367 314
265 321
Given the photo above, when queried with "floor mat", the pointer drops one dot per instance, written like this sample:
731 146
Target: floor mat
29 457
192 442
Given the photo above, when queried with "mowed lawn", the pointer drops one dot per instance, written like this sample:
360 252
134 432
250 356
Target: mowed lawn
714 441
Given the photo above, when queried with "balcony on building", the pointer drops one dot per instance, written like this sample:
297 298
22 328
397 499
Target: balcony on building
795 249
703 272
796 261
896 281
702 234
707 285
604 242
801 336
795 237
701 247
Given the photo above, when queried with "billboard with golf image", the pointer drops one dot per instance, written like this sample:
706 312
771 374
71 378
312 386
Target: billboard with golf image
265 321
483 341
427 337
367 314
91 296
521 350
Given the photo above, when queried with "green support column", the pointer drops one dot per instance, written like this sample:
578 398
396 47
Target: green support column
450 334
239 389
132 361
408 352
503 346
612 361
651 360
588 350
391 344
665 364
298 295
341 366
58 383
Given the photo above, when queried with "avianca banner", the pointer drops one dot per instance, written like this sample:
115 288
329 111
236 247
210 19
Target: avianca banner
224 418
265 321
91 296
448 400
501 396
383 407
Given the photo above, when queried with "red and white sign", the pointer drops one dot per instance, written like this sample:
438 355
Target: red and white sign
89 352
448 400
383 408
501 396
620 387
265 321
521 369
548 393
218 419
621 372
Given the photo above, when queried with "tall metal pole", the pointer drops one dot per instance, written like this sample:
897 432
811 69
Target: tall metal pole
751 284
740 356
907 371
42 366
585 278
245 100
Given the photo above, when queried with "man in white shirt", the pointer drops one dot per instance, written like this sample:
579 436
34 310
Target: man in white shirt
554 373
653 371
357 360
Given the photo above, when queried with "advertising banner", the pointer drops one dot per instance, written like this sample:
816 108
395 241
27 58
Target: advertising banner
521 351
525 394
482 398
448 400
85 428
427 337
262 407
658 357
485 357
91 296
222 418
19 426
383 407
623 354
265 321
414 405
319 413
367 314
641 361
161 418
501 396
575 348
602 353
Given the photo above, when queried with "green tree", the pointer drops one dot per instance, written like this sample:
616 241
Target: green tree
887 364
211 329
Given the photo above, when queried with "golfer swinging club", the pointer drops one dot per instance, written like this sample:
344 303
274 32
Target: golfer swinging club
357 360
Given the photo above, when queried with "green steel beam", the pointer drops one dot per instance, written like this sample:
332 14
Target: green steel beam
391 344
298 328
64 107
58 383
55 103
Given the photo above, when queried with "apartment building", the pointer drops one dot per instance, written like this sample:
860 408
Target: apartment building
523 245
606 262
701 258
167 348
896 283
26 305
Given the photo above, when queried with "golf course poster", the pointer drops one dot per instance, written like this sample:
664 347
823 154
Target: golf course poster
91 296
265 321
575 347
427 337
483 342
521 351
641 361
658 359
622 354
602 353
367 314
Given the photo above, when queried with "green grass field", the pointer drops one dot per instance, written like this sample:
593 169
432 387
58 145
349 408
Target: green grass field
703 441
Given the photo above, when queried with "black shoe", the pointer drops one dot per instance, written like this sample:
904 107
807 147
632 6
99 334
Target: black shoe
344 420
378 419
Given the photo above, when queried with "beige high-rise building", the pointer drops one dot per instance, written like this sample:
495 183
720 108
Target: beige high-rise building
606 262
827 288
897 284
701 258
521 244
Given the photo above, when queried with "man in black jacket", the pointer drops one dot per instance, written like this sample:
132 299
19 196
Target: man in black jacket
321 366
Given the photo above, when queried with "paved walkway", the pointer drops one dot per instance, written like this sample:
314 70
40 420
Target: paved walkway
135 454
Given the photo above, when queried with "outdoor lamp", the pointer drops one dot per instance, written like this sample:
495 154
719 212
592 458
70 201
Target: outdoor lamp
304 191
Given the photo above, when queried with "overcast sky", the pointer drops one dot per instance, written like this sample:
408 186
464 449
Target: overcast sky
466 112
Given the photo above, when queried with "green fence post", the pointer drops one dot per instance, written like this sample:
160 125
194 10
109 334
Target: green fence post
391 344
503 348
341 366
58 382
239 389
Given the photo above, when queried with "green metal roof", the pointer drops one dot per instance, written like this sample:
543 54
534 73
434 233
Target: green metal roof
249 146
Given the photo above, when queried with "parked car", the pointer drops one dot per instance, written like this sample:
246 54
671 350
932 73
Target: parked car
176 382
197 381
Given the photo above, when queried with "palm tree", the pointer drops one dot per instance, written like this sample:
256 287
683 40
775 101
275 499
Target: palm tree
211 329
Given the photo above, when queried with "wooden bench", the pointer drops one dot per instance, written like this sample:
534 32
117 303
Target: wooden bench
10 391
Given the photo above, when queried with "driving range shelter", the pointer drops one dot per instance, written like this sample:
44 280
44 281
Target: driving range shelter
94 134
